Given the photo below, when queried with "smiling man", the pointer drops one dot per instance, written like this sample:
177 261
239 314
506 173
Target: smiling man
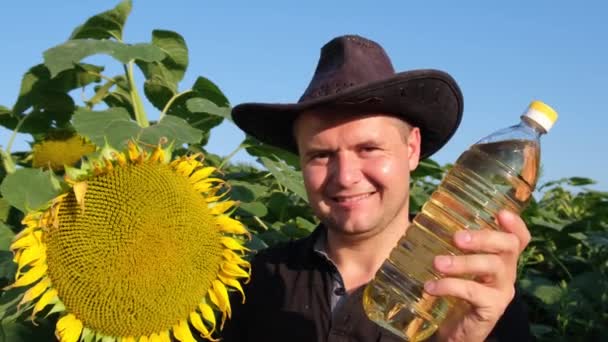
359 130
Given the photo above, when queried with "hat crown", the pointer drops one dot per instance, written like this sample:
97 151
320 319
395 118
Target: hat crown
345 62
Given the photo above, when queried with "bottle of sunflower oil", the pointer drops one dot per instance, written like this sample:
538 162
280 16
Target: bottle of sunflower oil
499 171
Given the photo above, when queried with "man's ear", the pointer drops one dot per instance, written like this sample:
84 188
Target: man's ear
413 147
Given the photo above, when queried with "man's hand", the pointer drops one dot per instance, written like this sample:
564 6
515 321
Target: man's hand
491 260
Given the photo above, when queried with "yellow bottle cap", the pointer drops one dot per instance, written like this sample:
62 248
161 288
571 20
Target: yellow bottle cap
542 114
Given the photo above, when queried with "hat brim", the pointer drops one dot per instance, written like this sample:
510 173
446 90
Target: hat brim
428 99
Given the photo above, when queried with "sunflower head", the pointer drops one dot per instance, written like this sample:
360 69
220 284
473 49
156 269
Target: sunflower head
57 151
140 248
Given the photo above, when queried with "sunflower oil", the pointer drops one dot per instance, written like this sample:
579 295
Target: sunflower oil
500 171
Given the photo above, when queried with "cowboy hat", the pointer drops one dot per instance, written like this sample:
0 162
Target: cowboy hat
355 74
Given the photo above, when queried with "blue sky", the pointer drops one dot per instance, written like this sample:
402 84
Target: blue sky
503 55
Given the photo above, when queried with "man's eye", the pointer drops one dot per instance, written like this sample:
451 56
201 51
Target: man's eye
369 149
320 156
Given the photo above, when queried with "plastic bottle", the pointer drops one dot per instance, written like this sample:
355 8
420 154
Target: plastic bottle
499 171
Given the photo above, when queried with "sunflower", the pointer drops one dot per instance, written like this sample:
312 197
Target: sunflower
140 248
56 152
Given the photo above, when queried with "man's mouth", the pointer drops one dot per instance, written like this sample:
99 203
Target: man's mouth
346 199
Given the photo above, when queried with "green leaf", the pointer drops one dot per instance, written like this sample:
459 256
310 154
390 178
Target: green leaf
428 167
258 149
64 56
253 208
286 176
26 331
112 125
256 243
47 98
120 96
543 289
209 90
108 24
201 105
246 191
173 67
580 181
115 127
174 129
4 210
7 119
6 236
30 189
159 91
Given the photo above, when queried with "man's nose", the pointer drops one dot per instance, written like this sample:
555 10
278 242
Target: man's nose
346 169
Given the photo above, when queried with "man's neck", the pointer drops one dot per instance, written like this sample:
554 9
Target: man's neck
359 258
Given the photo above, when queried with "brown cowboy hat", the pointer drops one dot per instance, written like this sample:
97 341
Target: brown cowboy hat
355 74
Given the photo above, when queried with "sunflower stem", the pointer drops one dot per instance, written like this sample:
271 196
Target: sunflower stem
257 219
170 102
138 106
7 160
225 160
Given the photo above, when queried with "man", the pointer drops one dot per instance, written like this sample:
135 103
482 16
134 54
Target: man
359 130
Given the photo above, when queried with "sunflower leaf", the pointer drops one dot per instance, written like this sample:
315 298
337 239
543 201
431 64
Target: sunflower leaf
113 126
6 236
201 105
30 189
286 176
163 76
64 56
24 331
108 24
175 129
4 210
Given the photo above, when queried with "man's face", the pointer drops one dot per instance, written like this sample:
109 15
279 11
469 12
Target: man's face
356 169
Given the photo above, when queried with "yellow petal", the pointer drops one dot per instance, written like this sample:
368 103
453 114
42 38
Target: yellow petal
29 255
208 314
30 276
233 270
215 300
202 173
157 155
143 339
128 339
233 244
233 283
35 291
186 167
182 332
231 226
26 240
68 328
47 298
222 207
164 336
121 159
109 165
198 324
222 296
235 258
133 151
80 189
155 338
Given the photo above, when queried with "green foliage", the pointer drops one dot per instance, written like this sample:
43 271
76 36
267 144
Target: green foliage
563 273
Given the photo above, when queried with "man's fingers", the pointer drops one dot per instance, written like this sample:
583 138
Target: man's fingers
514 224
478 265
487 241
482 297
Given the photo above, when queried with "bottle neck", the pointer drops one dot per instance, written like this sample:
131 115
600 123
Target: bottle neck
533 125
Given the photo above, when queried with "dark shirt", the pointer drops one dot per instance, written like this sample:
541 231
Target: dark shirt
293 296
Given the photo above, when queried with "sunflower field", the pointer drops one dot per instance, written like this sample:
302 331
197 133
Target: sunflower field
115 227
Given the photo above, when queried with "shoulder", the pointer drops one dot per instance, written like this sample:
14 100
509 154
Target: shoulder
294 251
